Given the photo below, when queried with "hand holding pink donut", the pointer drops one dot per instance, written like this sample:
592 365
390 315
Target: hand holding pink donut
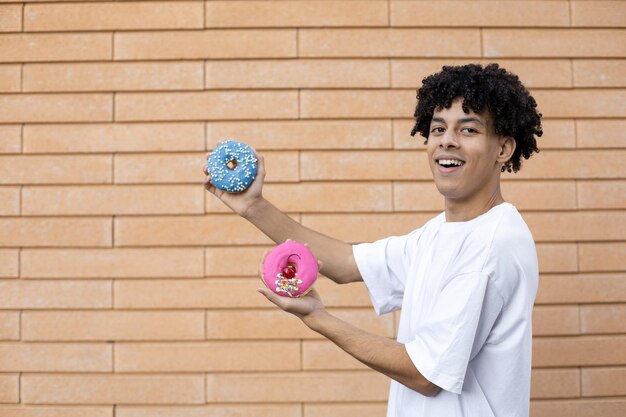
290 269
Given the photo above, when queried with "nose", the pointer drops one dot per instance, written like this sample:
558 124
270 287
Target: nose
449 140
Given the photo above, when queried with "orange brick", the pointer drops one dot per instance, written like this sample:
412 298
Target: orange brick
193 293
304 134
598 382
602 256
356 103
276 324
10 75
229 410
320 386
552 43
389 42
56 357
575 226
208 44
598 13
233 260
578 408
112 325
9 325
601 194
365 227
10 139
22 294
187 168
557 134
295 13
113 76
557 257
323 197
555 383
195 230
369 409
9 388
10 18
113 16
116 200
299 73
479 13
9 263
206 105
408 73
208 356
579 350
55 411
9 201
601 133
599 73
55 47
112 389
113 137
112 263
581 102
324 355
603 318
55 108
364 165
546 195
47 169
172 168
32 232
572 164
582 288
556 320
417 196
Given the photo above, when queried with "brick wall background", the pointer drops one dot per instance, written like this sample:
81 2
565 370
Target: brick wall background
126 290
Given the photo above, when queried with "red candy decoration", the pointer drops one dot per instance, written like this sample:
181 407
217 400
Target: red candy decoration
289 272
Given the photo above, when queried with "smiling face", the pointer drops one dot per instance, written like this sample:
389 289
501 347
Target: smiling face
466 155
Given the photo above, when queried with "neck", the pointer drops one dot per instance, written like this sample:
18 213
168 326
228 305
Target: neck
464 210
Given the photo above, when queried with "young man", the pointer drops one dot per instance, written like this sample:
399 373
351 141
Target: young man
465 281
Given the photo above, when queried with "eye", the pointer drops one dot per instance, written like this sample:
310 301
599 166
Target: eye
469 130
437 129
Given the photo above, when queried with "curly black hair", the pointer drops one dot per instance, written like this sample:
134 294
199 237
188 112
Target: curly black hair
513 109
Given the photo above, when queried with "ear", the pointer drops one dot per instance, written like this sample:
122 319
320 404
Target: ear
507 147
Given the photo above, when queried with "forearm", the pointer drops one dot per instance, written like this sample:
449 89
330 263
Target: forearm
379 353
337 259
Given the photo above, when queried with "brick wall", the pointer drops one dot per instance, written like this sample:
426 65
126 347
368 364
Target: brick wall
126 290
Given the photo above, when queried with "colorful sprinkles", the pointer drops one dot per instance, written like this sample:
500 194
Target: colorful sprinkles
288 286
232 180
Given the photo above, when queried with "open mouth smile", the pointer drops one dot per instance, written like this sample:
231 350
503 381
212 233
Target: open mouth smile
449 165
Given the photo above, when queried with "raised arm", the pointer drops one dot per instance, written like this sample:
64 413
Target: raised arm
336 256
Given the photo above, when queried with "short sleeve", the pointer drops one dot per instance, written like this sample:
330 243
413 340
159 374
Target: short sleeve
383 265
459 323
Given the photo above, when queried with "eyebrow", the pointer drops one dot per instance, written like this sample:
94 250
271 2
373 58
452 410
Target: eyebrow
463 120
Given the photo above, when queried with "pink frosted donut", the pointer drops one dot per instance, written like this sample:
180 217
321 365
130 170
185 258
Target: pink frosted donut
290 269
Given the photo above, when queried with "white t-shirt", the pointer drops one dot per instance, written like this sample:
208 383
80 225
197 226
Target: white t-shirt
466 290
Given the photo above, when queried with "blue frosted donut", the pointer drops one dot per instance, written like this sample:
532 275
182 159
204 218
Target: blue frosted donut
232 166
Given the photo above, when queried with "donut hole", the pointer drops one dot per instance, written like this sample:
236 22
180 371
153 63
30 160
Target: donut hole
231 164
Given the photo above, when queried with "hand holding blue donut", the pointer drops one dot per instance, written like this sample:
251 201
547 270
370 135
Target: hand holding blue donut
232 166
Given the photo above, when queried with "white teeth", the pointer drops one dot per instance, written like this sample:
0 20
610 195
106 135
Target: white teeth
450 162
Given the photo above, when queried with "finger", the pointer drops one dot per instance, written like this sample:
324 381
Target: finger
260 166
272 297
